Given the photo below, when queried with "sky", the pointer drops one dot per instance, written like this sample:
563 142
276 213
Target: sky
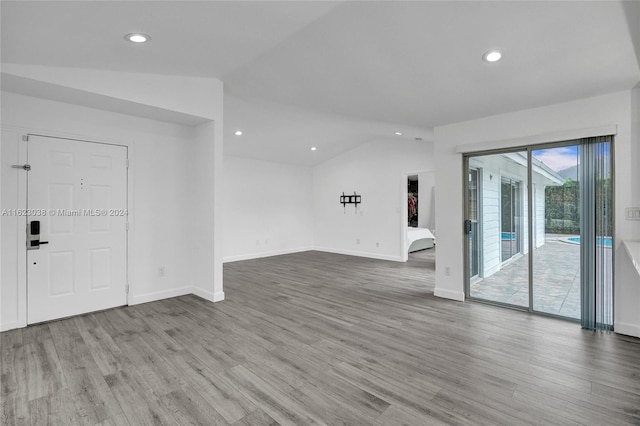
558 158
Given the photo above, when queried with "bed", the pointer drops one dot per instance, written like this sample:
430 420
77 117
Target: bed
419 239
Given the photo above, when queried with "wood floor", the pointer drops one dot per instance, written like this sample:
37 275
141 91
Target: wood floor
317 338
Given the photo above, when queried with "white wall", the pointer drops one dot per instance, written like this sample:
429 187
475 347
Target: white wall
166 160
378 172
547 124
491 169
426 200
635 146
628 303
12 265
193 96
187 100
159 173
206 209
267 208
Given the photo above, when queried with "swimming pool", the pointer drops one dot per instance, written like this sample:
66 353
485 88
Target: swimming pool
608 241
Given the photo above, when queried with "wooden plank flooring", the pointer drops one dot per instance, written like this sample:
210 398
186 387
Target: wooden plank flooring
317 338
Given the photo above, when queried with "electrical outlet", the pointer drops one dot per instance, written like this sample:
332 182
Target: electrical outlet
377 244
447 271
632 213
162 271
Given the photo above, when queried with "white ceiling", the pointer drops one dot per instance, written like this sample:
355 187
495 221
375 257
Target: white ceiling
196 38
335 74
420 62
285 134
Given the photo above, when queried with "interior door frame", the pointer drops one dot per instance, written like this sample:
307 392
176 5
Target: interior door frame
23 135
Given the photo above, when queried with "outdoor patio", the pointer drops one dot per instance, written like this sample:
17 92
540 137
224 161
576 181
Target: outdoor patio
556 279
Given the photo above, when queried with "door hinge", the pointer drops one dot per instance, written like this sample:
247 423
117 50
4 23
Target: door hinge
126 288
25 138
127 226
127 163
26 167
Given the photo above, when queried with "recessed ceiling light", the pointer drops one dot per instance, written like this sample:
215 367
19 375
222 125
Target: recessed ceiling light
398 133
313 148
238 133
137 38
492 56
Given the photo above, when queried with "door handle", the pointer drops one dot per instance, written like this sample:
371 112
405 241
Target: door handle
35 244
33 235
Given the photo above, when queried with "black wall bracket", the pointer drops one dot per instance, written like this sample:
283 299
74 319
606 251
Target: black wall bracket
350 199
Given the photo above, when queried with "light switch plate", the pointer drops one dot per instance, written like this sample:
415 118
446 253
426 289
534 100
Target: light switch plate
632 213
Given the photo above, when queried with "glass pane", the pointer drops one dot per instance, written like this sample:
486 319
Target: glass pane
556 215
497 201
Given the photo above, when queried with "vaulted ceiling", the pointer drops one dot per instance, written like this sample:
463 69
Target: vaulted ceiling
335 74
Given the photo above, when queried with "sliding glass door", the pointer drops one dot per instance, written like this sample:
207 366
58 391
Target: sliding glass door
539 225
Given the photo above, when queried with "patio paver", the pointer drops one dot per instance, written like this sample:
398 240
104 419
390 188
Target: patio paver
556 280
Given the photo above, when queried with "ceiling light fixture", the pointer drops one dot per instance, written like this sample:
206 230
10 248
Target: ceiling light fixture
313 148
137 38
398 133
492 56
238 133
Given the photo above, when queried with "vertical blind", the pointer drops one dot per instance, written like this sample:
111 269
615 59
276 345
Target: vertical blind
596 232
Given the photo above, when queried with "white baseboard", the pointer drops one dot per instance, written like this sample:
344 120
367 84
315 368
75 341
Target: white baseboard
250 256
205 294
627 329
490 271
218 296
208 295
159 295
6 326
379 256
449 294
361 254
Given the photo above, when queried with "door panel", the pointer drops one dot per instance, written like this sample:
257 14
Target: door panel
558 251
78 185
498 269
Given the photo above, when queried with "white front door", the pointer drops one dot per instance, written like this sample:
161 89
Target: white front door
78 192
